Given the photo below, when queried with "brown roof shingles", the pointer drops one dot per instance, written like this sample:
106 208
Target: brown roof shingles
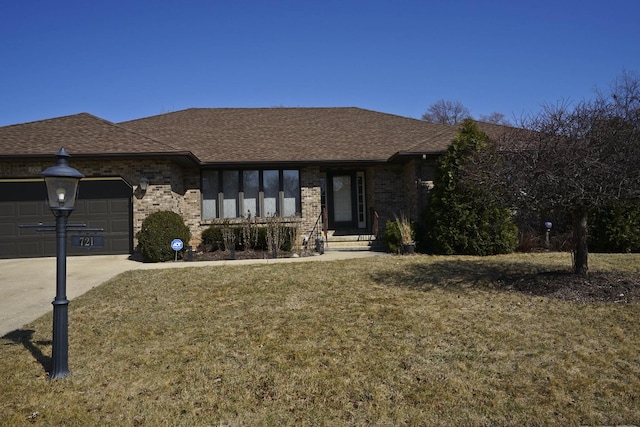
79 134
236 135
290 134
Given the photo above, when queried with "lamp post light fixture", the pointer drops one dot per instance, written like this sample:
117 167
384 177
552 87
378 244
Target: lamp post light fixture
548 225
62 189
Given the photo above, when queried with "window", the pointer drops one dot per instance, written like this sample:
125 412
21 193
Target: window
260 193
251 193
291 190
271 188
230 190
209 194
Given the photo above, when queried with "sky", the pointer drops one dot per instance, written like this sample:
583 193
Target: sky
127 59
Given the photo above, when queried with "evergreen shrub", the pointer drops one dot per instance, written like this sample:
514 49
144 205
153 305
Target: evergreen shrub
212 236
616 229
461 217
392 237
156 234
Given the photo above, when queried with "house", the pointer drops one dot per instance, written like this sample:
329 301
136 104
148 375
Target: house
211 165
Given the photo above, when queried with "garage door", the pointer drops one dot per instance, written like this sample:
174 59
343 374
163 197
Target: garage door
101 204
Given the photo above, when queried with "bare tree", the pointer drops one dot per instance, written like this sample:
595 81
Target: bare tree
446 112
495 118
571 159
625 93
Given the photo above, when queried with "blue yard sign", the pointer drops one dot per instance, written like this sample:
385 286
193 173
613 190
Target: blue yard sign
177 245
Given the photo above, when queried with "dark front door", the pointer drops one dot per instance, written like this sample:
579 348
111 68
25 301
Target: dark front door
345 200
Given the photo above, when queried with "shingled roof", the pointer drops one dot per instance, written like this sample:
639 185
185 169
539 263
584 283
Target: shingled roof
237 135
446 134
240 135
79 134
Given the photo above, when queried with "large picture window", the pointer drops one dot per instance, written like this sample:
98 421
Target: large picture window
259 193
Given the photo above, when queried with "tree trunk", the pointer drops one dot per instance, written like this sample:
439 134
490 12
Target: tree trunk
580 240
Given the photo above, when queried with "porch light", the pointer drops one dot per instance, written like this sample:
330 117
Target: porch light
144 184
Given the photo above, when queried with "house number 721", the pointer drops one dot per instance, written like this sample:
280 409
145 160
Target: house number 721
86 241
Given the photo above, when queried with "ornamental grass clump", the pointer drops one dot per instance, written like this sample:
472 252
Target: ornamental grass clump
399 234
406 230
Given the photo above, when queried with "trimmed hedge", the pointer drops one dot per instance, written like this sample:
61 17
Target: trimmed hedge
156 234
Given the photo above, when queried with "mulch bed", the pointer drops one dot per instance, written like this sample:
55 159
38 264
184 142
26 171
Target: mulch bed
244 254
611 287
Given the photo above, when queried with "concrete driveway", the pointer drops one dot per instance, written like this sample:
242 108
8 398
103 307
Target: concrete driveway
27 286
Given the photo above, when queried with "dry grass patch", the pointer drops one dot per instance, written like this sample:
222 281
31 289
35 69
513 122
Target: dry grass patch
381 341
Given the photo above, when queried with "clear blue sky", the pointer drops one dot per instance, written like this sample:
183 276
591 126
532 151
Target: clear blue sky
125 59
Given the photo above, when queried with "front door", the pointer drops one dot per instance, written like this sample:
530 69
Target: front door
345 200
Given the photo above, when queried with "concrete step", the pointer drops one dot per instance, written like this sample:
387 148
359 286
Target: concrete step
351 242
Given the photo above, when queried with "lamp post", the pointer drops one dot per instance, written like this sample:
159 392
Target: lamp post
62 189
548 226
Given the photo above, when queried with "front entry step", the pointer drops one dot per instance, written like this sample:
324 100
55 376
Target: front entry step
341 241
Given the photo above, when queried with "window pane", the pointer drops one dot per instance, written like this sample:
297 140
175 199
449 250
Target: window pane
209 194
291 193
251 187
342 198
271 187
230 183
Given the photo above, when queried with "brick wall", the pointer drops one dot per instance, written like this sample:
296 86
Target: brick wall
400 188
310 198
390 189
387 192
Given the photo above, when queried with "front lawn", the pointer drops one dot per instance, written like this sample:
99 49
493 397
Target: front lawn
420 340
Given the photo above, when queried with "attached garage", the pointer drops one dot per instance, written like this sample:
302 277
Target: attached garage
102 203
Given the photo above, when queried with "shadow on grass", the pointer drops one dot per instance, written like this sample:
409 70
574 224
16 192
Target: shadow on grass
458 275
24 337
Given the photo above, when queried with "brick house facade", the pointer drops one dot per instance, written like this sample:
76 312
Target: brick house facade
206 163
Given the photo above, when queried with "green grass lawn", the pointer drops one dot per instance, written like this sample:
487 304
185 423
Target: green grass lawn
379 341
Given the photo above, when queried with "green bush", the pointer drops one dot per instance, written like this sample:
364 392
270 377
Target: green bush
461 217
392 238
213 236
616 228
156 234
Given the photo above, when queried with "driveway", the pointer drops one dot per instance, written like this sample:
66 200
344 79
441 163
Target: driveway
28 285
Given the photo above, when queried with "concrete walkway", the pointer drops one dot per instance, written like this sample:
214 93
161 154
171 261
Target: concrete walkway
27 286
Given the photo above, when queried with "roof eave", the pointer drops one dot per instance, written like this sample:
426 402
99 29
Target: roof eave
414 154
184 158
293 163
